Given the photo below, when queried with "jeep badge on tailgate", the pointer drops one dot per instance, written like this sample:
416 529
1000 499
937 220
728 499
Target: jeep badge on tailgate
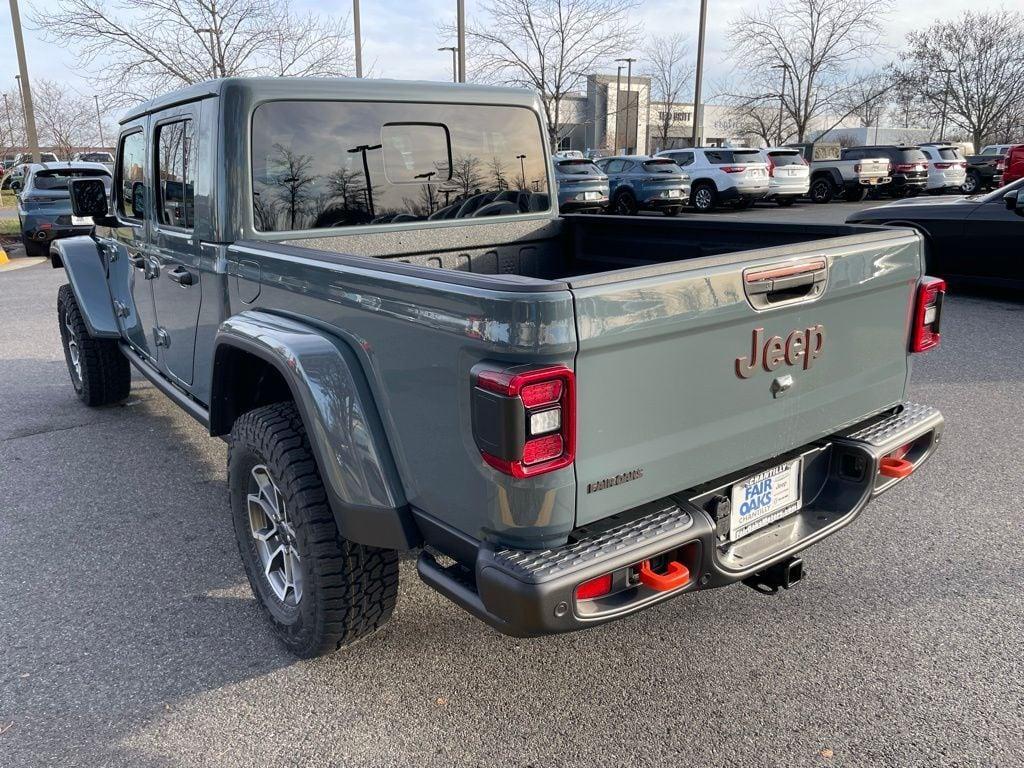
800 345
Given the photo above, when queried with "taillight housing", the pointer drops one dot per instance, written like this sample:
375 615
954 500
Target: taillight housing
524 418
734 168
771 166
856 167
925 335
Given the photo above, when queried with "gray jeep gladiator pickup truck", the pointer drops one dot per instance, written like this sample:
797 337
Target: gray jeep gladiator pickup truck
366 288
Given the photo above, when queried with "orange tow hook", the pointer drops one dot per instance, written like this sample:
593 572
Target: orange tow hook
676 575
890 466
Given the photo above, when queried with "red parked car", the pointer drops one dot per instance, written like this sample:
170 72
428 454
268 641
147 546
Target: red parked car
1013 164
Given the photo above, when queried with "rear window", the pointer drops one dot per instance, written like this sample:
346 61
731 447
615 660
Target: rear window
786 158
727 156
949 153
662 166
48 180
912 156
319 164
96 157
578 168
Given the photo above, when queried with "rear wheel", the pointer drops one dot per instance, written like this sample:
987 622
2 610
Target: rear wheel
99 372
704 197
625 204
673 211
821 190
319 590
972 184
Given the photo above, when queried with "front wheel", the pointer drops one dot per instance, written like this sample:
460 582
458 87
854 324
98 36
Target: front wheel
821 191
99 372
319 590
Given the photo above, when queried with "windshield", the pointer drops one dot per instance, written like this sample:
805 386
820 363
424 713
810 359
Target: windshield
51 180
578 168
662 166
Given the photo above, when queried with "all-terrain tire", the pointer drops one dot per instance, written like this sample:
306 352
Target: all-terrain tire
348 589
102 375
822 190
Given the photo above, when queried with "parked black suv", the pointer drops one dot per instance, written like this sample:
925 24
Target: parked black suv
908 167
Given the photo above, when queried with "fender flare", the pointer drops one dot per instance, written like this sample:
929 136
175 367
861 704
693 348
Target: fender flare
345 431
87 275
833 175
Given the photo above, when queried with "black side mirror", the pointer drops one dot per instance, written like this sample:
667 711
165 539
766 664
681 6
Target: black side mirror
1018 208
1010 199
89 197
16 185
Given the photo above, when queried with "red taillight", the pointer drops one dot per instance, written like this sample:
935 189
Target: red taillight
734 168
771 166
904 167
526 425
598 587
943 166
927 314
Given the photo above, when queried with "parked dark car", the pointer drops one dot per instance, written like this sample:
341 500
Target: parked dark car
908 167
985 169
977 237
639 182
582 186
44 203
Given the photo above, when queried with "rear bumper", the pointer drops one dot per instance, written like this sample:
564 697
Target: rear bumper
655 200
532 593
743 193
789 189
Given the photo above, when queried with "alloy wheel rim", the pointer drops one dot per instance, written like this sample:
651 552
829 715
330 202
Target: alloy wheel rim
275 537
703 198
74 353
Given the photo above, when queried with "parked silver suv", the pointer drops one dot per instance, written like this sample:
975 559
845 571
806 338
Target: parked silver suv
720 174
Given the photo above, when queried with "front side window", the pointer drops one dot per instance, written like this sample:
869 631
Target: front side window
320 164
131 182
175 174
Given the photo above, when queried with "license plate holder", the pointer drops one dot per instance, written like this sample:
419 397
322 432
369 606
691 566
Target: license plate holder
763 498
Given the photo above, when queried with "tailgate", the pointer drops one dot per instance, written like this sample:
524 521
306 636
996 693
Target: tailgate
666 396
874 167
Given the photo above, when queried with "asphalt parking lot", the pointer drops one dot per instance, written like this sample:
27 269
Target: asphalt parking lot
128 635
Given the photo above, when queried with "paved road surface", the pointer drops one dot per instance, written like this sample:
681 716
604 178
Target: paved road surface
128 635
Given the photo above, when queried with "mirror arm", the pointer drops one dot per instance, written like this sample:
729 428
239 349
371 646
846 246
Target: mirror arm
106 221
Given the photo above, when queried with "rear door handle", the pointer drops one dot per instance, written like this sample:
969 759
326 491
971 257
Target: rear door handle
181 276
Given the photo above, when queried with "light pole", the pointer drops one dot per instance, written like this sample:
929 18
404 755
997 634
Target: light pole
629 86
945 102
618 107
782 95
358 37
522 168
10 123
99 120
460 21
23 86
455 64
213 47
363 149
698 113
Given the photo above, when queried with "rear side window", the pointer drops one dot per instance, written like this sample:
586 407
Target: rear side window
853 154
682 158
786 158
53 180
131 160
175 174
318 164
718 156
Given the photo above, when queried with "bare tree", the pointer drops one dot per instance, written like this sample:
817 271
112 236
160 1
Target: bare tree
547 45
814 45
670 71
139 48
466 174
66 120
984 53
867 98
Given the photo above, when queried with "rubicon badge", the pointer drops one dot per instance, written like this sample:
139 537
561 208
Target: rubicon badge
801 347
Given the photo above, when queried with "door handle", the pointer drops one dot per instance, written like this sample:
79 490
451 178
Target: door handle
181 276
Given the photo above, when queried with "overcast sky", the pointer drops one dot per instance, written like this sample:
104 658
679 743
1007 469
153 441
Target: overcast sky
400 40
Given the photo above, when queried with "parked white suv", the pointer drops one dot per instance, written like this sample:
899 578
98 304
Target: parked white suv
947 169
722 174
789 176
